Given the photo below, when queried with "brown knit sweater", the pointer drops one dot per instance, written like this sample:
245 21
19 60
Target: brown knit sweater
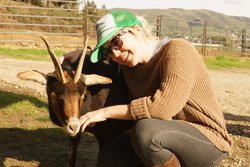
175 84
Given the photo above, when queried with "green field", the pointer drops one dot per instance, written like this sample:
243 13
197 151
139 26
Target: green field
212 62
28 53
227 62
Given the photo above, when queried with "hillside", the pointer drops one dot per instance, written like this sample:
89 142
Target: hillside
213 18
20 17
196 15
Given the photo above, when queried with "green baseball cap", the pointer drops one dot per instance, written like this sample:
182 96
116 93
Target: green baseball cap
108 26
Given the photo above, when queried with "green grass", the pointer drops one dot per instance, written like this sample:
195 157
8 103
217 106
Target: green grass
227 62
28 53
24 105
27 137
213 62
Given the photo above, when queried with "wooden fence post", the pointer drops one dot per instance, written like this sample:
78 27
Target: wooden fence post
243 41
158 26
176 27
204 39
85 25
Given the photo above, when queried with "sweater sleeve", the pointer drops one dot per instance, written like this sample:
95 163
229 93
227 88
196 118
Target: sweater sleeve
178 79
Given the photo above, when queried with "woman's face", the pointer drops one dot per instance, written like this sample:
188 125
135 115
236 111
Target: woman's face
130 49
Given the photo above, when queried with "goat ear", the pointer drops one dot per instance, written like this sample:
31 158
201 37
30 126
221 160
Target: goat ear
33 75
93 79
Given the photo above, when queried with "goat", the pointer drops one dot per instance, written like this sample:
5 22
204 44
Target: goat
71 94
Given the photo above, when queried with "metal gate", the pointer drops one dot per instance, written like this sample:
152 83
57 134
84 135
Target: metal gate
22 23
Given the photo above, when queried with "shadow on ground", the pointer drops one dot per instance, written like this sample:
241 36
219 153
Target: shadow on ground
239 125
47 147
9 98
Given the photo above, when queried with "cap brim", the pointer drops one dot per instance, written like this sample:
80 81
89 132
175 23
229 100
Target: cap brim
96 54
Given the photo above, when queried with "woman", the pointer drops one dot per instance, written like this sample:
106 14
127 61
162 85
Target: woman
178 119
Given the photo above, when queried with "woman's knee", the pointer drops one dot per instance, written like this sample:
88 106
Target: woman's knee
146 134
148 128
146 142
143 132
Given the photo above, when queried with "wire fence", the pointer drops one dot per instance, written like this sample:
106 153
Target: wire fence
64 25
209 38
22 23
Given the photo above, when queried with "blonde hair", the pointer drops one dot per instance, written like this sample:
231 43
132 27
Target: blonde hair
147 28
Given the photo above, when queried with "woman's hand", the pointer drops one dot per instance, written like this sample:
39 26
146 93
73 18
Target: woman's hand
114 112
93 117
74 55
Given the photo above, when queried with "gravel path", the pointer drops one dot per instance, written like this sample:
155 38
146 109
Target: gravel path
231 86
233 91
10 67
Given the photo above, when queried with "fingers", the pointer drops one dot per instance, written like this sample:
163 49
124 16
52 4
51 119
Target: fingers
84 125
91 117
89 50
85 121
61 59
73 56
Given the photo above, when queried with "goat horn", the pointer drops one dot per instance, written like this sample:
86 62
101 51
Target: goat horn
59 72
81 61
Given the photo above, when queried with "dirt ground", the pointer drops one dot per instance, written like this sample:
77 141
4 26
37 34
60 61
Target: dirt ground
231 86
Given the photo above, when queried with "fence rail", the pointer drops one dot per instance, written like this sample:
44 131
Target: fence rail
39 16
66 25
22 23
38 8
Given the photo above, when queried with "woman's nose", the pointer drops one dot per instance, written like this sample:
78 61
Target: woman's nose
116 53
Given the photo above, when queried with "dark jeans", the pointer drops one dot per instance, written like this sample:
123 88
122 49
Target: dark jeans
154 141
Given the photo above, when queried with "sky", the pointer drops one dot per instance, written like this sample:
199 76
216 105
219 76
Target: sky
227 7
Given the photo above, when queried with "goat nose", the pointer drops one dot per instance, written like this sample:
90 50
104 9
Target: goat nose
73 127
